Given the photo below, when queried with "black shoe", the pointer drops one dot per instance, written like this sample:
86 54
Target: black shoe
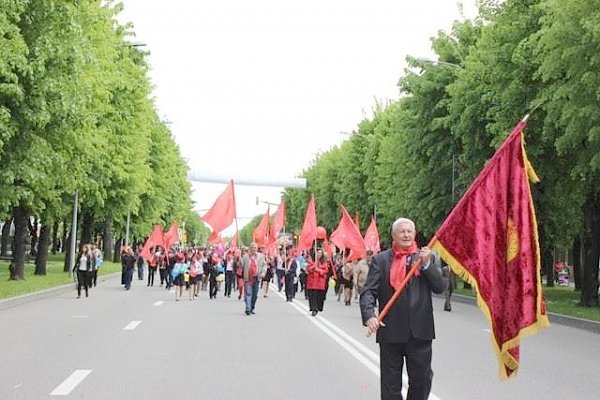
247 312
252 312
447 307
314 313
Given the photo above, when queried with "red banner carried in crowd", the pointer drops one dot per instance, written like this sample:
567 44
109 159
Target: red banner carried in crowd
260 234
309 228
155 239
278 222
372 237
347 236
490 239
222 213
171 236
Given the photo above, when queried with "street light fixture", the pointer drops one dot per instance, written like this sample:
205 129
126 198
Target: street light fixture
427 60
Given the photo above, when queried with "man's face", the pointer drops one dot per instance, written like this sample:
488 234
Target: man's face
404 235
253 250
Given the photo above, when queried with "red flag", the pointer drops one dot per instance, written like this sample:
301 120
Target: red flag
260 234
155 239
222 213
171 236
347 236
356 220
309 228
490 239
372 237
215 239
278 222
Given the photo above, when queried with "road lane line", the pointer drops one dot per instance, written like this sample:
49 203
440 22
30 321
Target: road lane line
132 325
71 382
353 352
158 303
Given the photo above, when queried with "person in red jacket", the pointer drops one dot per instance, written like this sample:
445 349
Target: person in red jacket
316 282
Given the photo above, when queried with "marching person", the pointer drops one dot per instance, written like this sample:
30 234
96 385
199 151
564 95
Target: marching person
360 273
408 330
315 282
348 275
128 262
83 266
253 268
290 275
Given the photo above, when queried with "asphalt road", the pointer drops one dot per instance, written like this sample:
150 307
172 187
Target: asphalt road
142 344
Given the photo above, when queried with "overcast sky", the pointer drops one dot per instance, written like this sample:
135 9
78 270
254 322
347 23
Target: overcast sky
256 88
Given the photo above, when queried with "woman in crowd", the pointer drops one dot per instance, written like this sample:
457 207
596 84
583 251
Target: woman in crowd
195 276
83 266
128 262
317 273
179 269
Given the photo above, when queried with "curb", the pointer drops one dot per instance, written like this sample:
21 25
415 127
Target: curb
579 323
16 301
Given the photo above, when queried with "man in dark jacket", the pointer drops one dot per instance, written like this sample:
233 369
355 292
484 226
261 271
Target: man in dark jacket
407 330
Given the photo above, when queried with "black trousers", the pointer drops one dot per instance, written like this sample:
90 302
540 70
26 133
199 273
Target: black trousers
418 366
229 282
82 280
315 299
151 272
290 289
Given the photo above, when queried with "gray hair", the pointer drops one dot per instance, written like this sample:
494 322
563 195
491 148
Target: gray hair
400 221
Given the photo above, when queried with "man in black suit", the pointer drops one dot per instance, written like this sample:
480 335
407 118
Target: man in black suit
408 329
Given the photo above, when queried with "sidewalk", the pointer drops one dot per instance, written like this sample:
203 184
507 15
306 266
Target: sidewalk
16 301
579 323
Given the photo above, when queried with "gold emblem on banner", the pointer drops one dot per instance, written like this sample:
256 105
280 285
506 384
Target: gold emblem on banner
512 240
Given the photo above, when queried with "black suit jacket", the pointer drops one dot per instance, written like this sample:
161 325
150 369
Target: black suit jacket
412 314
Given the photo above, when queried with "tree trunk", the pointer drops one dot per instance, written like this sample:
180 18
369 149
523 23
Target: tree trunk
548 265
6 237
65 232
55 237
576 254
67 250
17 272
33 236
41 258
591 252
107 238
87 227
117 253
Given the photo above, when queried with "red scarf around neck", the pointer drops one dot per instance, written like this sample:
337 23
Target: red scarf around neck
398 267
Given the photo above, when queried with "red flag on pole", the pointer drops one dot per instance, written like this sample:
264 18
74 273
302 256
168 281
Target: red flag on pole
347 236
490 239
372 237
260 234
222 213
309 228
278 222
155 239
171 236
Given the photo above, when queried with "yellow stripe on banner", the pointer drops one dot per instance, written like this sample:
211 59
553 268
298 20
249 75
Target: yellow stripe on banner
464 274
504 358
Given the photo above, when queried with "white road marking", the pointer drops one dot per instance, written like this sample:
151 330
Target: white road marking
79 316
158 303
486 330
18 386
132 325
353 352
71 382
347 342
